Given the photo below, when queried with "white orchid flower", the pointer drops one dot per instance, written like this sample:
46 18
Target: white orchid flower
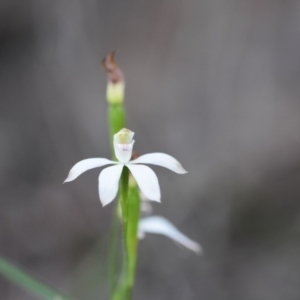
110 176
160 225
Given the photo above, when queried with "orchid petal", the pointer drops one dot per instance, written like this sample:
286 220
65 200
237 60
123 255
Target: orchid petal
86 165
109 183
146 180
160 225
161 159
123 152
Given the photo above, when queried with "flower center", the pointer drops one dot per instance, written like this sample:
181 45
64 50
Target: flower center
124 137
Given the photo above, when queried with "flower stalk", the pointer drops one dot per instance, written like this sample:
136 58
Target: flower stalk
132 229
129 199
116 121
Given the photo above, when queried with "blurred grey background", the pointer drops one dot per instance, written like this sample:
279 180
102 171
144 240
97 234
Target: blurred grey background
213 83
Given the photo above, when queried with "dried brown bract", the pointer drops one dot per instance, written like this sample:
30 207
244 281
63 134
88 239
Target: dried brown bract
114 73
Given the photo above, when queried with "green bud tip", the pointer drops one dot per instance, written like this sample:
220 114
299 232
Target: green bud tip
115 79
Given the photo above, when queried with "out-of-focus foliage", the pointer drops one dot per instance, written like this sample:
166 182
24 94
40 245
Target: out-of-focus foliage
213 83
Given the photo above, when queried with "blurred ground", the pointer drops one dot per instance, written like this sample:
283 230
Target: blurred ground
213 83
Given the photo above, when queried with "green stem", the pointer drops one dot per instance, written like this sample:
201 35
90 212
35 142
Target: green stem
123 292
116 118
130 205
21 278
130 214
132 231
124 206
